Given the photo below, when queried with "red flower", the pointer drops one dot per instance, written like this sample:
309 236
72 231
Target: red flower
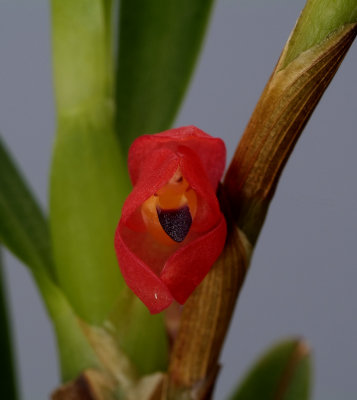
171 230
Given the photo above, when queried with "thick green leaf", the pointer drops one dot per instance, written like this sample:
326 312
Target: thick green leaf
7 370
23 228
319 19
283 373
158 46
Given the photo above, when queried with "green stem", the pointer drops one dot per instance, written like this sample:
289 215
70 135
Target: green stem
7 368
80 56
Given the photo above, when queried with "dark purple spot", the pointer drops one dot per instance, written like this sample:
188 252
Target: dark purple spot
176 223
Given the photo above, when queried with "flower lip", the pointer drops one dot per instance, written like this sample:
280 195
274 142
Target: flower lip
169 212
175 222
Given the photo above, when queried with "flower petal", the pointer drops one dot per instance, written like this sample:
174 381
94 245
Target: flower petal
140 278
210 150
186 268
157 171
208 211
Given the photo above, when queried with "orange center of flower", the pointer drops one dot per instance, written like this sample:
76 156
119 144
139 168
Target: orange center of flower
168 214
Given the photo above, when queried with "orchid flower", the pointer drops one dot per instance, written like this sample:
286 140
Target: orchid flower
171 230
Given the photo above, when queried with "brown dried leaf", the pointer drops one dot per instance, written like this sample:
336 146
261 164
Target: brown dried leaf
284 108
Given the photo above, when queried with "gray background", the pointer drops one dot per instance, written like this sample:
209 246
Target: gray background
304 272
